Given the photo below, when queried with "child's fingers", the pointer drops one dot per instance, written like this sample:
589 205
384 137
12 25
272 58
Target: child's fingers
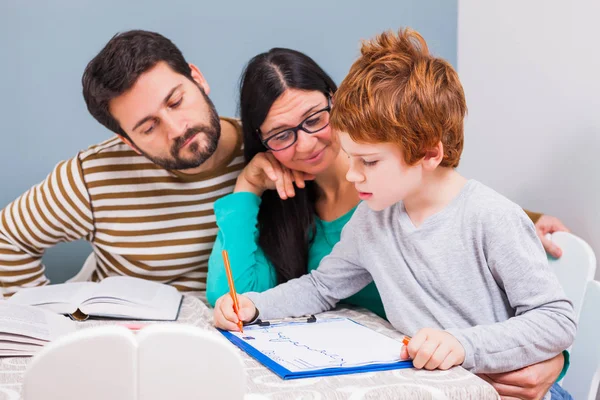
438 356
416 342
247 308
247 314
221 320
226 308
450 361
424 353
404 353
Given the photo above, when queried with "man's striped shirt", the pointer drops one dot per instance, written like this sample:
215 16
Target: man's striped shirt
141 220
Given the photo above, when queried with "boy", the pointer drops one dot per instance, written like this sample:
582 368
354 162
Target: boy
446 253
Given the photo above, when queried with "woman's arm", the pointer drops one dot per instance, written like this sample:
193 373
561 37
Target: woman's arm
236 216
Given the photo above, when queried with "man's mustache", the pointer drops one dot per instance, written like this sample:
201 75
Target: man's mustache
191 132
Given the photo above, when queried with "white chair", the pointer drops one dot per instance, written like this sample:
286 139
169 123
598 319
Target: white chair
583 377
163 361
575 268
85 274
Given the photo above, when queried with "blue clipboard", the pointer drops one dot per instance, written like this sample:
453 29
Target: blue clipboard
286 374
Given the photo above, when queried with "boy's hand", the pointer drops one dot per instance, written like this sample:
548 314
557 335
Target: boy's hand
225 317
434 349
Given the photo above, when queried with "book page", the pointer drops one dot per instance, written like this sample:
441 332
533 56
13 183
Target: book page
133 298
330 343
125 288
21 322
63 298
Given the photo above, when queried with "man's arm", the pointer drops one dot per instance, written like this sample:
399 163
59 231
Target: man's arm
57 210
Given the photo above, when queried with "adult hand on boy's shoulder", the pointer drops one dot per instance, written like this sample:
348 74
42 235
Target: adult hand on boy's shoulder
548 224
528 383
434 349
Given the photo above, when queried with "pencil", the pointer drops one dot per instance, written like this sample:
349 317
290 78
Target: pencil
232 292
406 340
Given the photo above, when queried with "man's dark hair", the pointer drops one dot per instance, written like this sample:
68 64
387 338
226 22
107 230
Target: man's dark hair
118 66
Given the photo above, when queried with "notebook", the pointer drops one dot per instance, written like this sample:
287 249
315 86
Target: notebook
333 346
120 297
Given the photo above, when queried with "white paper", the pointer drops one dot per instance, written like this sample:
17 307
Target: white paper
330 343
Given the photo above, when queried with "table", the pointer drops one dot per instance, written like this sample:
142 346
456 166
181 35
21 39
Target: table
456 383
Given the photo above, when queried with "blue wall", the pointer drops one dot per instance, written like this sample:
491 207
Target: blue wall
45 46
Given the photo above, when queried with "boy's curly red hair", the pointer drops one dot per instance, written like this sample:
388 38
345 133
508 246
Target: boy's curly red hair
397 92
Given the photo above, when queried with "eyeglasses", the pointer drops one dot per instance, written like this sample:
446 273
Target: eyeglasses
314 123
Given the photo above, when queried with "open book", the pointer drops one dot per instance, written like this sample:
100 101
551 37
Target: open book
120 297
25 329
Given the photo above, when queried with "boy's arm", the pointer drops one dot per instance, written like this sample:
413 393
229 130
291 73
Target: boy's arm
340 275
544 322
236 216
56 210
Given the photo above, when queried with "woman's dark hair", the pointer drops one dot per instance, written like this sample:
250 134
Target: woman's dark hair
286 226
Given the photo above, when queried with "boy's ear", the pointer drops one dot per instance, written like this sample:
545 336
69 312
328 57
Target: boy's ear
433 157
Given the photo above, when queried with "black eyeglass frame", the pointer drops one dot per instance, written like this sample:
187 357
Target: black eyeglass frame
297 128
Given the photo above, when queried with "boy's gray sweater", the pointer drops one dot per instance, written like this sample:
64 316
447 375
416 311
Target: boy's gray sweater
475 269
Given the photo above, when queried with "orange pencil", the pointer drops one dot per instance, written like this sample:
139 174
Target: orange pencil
232 292
406 340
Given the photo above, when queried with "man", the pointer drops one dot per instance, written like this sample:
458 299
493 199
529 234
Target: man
143 199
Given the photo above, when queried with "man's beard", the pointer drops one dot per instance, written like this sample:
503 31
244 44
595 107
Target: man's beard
212 132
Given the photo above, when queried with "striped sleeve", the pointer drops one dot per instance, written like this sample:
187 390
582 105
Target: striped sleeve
56 210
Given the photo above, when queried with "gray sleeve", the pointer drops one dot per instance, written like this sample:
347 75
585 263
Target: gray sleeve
544 322
340 275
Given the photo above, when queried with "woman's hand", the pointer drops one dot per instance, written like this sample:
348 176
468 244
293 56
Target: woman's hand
264 172
548 224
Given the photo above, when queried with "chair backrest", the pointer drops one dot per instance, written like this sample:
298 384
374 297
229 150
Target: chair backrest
575 268
183 362
92 364
164 361
583 377
86 271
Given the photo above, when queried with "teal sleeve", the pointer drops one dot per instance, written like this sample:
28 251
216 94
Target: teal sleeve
237 221
566 365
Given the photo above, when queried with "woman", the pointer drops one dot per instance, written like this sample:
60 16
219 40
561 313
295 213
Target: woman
272 230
